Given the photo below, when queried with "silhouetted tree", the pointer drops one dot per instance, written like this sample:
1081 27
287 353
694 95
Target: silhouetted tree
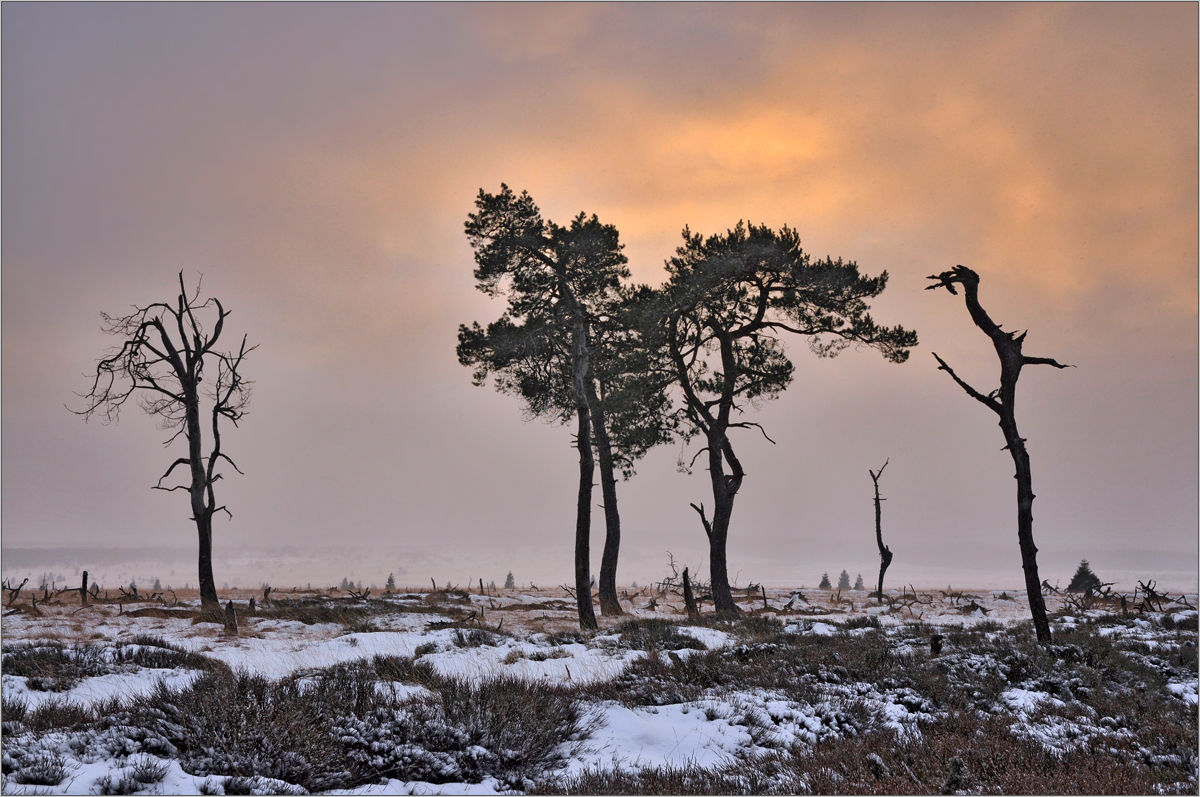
844 580
885 553
560 282
509 581
858 582
729 300
1002 401
1084 579
165 351
390 586
825 583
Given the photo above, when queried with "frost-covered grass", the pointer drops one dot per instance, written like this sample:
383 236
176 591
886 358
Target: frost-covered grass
446 691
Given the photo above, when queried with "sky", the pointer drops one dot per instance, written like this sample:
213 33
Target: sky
316 163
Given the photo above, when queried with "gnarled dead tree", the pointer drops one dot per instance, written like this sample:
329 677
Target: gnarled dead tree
1002 401
162 359
885 553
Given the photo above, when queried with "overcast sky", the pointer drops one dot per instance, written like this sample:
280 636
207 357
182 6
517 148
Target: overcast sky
316 163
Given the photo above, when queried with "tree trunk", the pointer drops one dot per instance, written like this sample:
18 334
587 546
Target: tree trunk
1009 347
201 512
885 553
1024 477
610 605
719 534
208 586
587 469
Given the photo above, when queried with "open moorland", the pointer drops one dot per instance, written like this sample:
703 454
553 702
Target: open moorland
456 691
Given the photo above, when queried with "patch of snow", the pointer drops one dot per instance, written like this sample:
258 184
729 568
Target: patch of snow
1024 701
100 688
711 638
489 785
674 735
822 629
1185 690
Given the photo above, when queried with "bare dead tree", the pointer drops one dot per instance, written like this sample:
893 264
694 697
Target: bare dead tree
1002 402
14 592
162 359
885 553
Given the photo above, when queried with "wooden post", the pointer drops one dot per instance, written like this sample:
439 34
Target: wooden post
83 593
764 594
231 625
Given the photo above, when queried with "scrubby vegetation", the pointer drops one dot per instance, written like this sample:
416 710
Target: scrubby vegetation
815 704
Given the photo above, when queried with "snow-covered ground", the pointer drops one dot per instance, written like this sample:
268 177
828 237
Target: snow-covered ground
533 638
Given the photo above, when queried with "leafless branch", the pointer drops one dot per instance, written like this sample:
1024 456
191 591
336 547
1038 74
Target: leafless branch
988 401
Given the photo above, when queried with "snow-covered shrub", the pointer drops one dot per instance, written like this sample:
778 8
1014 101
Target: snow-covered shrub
521 723
655 634
46 769
411 743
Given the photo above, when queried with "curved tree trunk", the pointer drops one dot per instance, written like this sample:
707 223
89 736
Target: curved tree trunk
610 605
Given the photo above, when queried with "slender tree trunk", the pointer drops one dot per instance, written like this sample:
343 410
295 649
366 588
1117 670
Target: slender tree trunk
1024 477
610 605
587 469
201 512
719 534
885 553
1009 348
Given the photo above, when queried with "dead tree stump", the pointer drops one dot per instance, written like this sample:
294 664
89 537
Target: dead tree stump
689 599
231 626
83 593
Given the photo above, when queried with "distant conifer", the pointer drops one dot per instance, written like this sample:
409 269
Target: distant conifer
509 581
825 582
1084 579
391 583
844 580
858 582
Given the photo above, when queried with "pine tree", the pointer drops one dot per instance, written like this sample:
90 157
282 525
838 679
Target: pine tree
391 583
844 580
825 582
1084 579
858 582
730 303
509 581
